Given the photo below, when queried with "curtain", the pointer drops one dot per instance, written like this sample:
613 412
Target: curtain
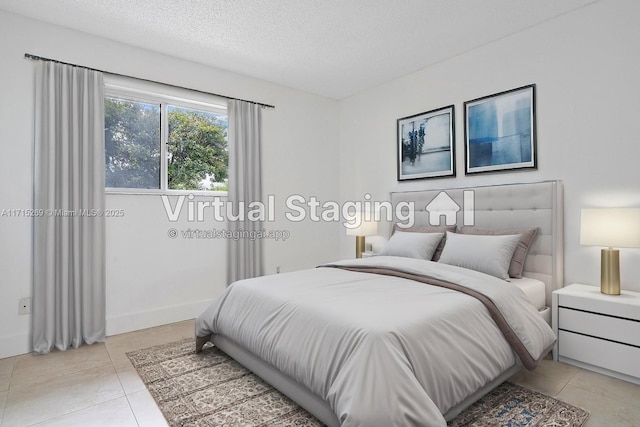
68 306
245 252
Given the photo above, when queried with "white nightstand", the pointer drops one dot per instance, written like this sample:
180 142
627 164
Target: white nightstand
597 331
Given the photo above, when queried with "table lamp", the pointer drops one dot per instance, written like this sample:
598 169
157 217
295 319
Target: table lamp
365 228
610 227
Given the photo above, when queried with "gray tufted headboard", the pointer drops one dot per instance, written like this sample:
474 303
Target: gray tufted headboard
538 204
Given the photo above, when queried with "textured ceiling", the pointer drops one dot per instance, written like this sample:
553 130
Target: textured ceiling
333 48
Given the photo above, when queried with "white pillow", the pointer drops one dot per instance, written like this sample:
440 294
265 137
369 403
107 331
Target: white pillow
412 245
487 254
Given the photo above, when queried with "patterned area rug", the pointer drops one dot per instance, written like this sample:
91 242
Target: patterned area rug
211 389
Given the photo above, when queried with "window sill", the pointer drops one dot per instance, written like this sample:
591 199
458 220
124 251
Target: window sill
145 192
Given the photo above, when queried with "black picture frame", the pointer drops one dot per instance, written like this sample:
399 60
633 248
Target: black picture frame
500 131
426 145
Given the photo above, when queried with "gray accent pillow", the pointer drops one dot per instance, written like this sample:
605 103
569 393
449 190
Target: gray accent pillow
527 236
428 229
487 254
412 245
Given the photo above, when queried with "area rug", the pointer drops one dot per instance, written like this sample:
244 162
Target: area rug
211 389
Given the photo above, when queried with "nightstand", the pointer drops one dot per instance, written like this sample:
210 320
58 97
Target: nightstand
598 332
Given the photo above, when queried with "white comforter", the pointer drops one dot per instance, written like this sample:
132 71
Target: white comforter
381 350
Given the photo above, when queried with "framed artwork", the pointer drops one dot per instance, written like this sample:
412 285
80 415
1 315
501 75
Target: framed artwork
426 145
500 131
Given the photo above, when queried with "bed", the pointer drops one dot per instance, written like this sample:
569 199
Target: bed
394 340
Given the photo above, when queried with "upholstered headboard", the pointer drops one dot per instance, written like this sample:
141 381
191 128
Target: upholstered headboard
529 205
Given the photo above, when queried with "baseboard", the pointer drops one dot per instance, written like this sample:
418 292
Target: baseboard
122 323
14 345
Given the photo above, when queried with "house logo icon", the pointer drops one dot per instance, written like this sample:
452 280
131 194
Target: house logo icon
445 206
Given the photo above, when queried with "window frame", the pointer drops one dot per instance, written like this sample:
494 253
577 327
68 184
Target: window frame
154 93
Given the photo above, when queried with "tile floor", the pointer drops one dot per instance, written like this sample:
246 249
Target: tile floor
97 386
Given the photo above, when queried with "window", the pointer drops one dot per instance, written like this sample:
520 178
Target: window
197 153
132 144
162 142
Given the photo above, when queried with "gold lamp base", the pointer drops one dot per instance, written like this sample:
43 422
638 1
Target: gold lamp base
610 271
359 246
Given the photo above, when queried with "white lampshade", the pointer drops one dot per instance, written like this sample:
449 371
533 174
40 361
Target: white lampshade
610 227
366 228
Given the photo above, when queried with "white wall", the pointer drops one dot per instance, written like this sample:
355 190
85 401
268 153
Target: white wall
585 66
152 279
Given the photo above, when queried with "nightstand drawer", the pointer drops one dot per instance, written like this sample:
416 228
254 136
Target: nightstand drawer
611 328
626 305
606 354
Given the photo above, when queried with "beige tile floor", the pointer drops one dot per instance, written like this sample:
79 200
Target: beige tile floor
97 386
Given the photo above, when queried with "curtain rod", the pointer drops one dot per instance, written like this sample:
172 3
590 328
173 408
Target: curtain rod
40 58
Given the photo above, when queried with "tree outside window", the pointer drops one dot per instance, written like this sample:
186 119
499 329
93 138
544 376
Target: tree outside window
196 151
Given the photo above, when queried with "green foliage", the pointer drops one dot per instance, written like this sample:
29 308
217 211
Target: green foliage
196 147
132 144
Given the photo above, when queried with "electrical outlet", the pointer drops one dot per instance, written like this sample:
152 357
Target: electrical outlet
25 306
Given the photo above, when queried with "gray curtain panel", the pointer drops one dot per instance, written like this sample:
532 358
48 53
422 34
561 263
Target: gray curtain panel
245 251
69 236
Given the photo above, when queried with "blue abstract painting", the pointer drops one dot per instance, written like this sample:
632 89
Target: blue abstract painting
500 131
